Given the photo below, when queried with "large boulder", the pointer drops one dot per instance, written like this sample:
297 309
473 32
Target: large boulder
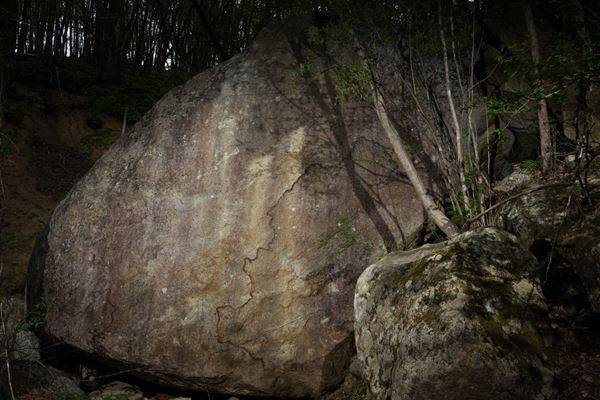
462 319
216 245
562 228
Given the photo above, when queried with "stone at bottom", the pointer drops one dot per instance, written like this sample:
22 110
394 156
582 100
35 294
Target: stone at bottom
463 319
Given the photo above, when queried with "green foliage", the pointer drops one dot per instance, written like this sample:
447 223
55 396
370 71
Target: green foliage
455 216
36 318
352 79
531 165
567 64
358 391
315 38
500 134
135 96
513 107
343 237
303 70
403 245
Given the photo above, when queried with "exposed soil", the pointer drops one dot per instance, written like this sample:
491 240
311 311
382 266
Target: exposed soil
56 167
44 157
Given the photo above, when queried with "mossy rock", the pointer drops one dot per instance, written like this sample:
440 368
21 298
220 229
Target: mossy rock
464 319
560 222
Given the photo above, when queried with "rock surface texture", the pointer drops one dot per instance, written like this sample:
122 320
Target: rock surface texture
455 320
117 390
33 380
563 230
217 244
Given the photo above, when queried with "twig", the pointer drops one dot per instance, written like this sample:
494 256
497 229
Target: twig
523 193
124 126
556 240
123 372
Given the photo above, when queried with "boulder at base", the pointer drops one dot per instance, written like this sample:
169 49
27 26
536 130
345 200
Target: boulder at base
216 245
455 320
563 231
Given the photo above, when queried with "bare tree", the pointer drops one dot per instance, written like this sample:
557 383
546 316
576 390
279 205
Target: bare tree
543 121
453 113
431 208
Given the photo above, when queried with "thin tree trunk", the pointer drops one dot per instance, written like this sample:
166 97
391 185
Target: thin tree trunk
23 28
453 113
432 210
543 120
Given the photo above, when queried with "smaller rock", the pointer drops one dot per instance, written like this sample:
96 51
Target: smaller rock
14 338
32 380
472 324
119 391
355 368
519 177
13 311
570 160
562 231
163 396
26 346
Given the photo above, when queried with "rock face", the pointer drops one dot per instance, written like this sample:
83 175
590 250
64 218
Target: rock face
456 320
33 380
19 343
117 390
216 245
518 178
561 228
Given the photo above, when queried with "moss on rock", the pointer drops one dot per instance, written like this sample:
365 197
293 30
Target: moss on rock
457 320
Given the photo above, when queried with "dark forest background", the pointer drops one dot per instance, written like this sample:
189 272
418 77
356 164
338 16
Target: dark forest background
136 35
169 41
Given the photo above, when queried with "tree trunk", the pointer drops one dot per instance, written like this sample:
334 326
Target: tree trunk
453 114
23 28
432 210
543 120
